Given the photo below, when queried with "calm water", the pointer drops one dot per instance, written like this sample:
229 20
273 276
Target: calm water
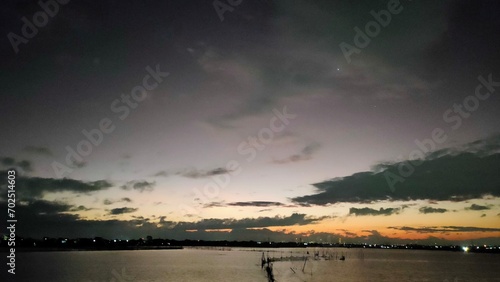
244 265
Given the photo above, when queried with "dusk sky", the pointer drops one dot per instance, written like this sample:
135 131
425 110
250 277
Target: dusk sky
370 121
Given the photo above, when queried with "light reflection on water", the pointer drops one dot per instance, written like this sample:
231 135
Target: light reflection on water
240 264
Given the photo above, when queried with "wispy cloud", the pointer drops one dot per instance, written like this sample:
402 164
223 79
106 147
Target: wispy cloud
80 208
44 207
197 173
445 229
256 204
161 173
38 150
140 186
369 211
247 204
214 205
228 223
426 210
8 162
305 154
108 202
36 187
122 210
475 207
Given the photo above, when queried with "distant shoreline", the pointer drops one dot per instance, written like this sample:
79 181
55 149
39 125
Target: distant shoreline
48 244
472 249
61 249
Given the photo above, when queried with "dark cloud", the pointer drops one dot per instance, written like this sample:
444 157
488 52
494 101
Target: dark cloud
369 211
347 233
47 218
44 218
300 67
432 210
447 174
123 210
108 202
76 164
9 162
80 208
306 154
214 205
294 219
43 207
25 165
255 204
140 186
36 187
445 229
247 204
38 150
161 173
475 207
195 173
265 210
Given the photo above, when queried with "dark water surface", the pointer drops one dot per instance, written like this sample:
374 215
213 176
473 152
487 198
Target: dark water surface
239 264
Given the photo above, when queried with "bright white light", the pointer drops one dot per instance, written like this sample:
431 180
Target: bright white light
466 249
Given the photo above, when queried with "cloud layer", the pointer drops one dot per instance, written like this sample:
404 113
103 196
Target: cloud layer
35 187
369 211
453 175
